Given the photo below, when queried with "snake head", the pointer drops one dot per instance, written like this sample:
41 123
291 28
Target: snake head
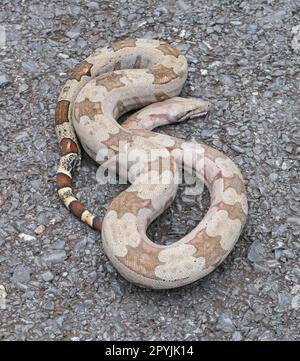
173 110
187 108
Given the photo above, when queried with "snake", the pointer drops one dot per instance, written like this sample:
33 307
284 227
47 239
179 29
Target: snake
146 75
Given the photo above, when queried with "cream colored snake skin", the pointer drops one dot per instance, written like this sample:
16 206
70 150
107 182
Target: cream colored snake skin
131 74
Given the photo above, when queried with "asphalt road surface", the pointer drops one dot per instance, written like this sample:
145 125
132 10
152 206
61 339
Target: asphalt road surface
56 282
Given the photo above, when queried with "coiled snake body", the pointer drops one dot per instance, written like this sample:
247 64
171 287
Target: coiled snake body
131 74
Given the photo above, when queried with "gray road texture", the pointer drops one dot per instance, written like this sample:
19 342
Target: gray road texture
56 282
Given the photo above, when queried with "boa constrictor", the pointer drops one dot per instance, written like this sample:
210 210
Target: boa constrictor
131 74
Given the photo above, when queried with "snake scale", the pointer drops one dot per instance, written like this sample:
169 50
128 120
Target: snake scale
147 75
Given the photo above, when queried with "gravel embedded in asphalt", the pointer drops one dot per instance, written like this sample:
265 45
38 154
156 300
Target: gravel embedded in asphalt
55 281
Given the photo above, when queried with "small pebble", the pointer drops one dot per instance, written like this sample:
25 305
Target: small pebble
40 229
3 295
73 33
47 276
26 237
21 275
4 80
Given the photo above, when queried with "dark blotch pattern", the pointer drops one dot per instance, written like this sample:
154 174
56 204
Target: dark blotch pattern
97 223
67 145
61 112
80 70
76 208
63 180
